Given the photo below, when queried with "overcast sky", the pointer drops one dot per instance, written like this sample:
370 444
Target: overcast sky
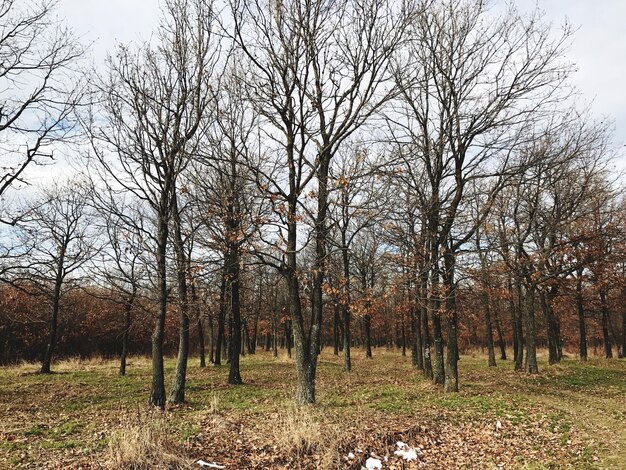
598 50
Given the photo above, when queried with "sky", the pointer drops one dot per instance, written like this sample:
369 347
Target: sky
598 49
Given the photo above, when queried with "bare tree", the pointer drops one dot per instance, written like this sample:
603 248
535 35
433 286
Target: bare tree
39 84
316 71
155 103
121 266
225 190
57 229
472 83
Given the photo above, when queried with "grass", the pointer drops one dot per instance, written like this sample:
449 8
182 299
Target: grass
571 415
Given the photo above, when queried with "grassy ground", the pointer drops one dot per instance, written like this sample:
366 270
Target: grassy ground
85 416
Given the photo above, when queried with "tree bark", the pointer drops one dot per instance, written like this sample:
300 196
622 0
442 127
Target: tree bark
177 392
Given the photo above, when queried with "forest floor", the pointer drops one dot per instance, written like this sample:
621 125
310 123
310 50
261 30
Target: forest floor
85 416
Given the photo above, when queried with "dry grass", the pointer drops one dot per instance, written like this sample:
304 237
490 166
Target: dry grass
301 431
86 416
145 444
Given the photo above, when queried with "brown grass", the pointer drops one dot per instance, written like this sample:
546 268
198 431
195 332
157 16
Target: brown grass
145 444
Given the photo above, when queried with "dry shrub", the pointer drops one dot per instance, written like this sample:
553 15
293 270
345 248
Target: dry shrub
145 445
213 406
300 432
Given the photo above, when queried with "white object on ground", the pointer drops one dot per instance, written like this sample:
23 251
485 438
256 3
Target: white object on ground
408 455
202 463
350 455
372 463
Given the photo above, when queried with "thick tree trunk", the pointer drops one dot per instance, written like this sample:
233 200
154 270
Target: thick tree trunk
234 375
451 383
177 392
157 393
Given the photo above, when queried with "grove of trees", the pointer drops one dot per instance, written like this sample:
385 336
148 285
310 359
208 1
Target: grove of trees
306 174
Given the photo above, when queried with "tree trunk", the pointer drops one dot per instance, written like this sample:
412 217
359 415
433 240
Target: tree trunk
416 346
516 313
177 392
211 339
128 307
336 330
54 312
451 383
234 376
367 326
501 342
221 321
531 331
199 325
489 329
345 306
157 394
428 367
52 338
623 352
552 329
288 337
608 347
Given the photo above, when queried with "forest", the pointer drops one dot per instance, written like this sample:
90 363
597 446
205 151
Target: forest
308 234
